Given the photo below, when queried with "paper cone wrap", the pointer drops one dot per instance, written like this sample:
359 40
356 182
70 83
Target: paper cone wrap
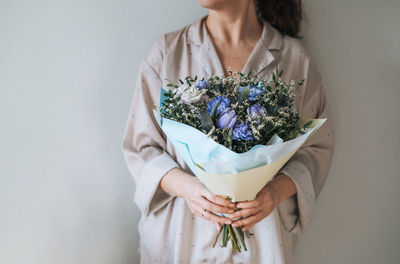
224 172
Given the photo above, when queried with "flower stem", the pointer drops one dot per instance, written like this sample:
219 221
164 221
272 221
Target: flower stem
216 239
225 236
239 234
233 239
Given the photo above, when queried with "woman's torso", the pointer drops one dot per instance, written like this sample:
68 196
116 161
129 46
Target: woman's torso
172 234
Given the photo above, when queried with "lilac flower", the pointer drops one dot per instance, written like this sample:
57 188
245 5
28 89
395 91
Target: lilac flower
254 91
241 131
256 111
223 103
202 84
227 119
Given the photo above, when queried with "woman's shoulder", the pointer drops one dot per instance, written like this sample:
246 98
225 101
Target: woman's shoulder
295 47
169 42
298 63
296 57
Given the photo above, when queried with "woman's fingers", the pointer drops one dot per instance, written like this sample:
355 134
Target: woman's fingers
214 203
242 213
217 199
200 206
216 219
253 219
199 210
249 204
218 226
212 207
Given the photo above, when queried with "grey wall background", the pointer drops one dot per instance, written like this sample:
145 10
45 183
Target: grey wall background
67 70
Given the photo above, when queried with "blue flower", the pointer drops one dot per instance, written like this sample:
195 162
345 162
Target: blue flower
227 119
254 91
202 84
223 103
241 131
256 111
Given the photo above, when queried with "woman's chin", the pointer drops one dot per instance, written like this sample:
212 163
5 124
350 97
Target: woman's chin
215 4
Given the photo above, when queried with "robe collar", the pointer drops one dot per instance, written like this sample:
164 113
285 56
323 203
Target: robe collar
265 52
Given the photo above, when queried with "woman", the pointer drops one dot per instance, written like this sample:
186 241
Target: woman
178 224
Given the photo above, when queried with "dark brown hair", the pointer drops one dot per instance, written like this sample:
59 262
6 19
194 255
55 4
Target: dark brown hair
283 15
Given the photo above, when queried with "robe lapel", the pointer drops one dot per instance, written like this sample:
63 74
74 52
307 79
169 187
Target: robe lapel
266 52
203 50
260 58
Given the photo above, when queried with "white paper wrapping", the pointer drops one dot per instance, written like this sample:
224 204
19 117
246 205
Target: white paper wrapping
224 172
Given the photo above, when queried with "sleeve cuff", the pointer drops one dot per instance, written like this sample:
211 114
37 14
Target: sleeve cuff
296 211
148 196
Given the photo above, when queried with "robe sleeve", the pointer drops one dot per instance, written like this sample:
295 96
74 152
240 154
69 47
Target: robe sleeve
143 144
309 166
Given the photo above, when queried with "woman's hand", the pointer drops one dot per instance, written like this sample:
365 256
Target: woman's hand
203 203
252 212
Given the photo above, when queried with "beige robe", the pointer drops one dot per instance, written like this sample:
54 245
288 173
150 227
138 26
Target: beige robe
169 233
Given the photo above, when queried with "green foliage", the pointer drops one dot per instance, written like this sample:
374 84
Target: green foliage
244 95
206 121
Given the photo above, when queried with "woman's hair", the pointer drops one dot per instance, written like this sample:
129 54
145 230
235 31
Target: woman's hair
284 15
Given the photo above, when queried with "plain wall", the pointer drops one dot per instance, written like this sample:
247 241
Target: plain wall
67 70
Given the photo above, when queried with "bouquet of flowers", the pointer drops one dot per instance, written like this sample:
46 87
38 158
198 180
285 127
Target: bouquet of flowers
234 133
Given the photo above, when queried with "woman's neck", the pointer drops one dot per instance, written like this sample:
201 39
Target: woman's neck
234 24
